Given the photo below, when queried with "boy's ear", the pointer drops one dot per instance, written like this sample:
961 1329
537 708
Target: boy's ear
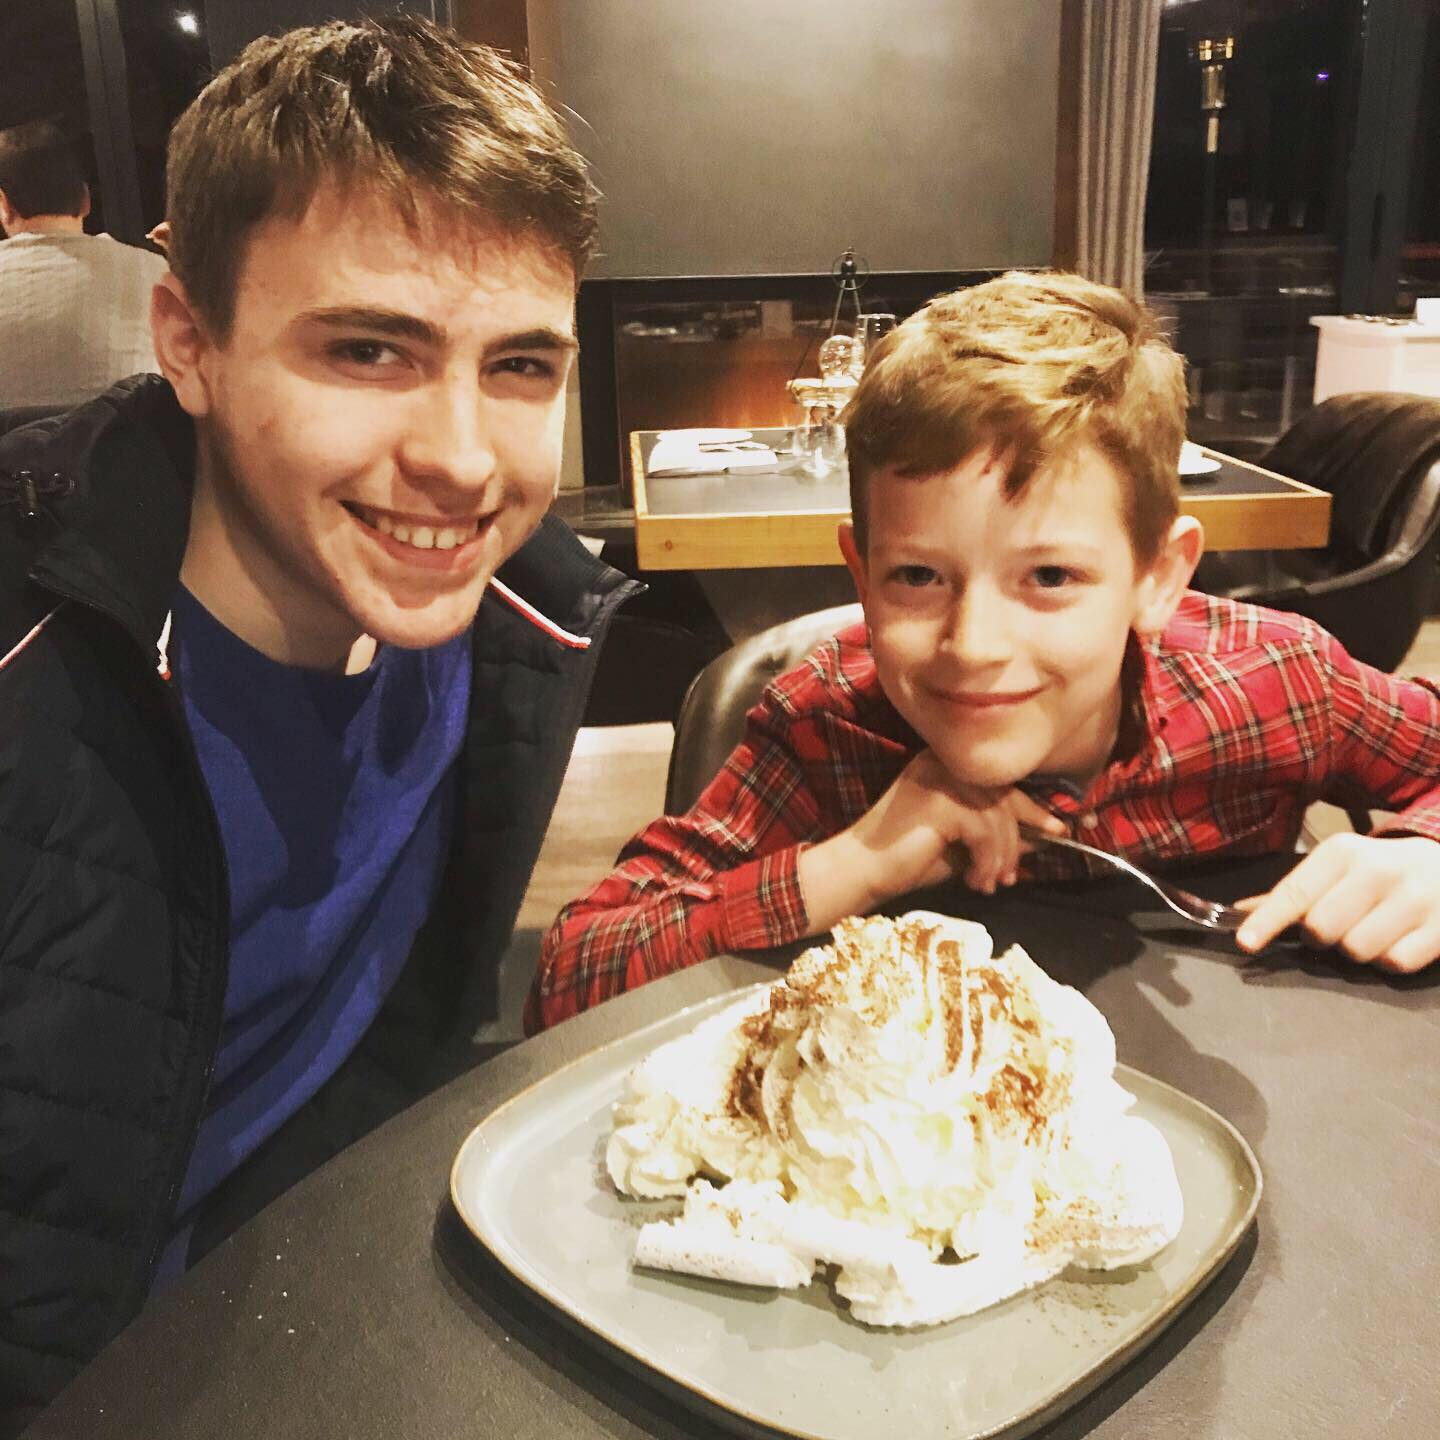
854 560
182 345
1164 583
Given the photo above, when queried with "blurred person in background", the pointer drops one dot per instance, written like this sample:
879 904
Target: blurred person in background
74 308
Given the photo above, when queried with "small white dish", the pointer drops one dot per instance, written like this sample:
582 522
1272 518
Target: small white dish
1194 461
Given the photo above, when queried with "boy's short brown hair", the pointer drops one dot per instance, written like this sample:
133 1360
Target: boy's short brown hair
396 105
1034 364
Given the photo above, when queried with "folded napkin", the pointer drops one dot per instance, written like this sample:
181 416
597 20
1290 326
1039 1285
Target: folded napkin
678 454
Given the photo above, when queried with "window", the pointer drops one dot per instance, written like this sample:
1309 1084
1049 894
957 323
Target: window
1256 110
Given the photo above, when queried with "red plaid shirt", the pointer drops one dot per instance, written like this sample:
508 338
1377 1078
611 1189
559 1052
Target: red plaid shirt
1238 718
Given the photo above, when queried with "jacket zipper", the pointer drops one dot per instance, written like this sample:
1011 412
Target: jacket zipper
213 1017
203 812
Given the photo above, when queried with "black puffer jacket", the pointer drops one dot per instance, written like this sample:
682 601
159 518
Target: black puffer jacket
113 890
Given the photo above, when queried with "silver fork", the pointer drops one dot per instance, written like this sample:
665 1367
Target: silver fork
1208 914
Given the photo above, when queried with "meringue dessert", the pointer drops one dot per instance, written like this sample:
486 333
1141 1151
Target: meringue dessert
938 1125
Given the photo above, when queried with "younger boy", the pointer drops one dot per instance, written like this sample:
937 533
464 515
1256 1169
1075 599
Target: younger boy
1030 656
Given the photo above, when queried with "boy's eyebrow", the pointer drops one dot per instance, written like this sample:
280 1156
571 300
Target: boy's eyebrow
405 326
1063 547
381 322
543 337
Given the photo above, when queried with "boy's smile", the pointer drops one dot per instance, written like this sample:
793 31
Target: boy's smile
427 534
380 429
999 626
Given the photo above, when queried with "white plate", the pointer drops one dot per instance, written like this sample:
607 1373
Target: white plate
1194 461
530 1184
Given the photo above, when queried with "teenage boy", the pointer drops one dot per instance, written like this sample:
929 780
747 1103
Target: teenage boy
1030 655
291 661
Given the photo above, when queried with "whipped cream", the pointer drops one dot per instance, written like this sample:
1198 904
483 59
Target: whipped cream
940 1123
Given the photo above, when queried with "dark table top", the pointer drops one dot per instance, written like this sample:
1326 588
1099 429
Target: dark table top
358 1306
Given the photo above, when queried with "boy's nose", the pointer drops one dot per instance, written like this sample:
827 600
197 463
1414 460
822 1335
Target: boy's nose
447 442
978 633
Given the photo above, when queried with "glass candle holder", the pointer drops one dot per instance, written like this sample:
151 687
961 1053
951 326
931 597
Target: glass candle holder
870 329
820 440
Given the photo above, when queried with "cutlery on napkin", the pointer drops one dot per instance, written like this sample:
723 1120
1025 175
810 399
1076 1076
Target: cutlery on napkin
680 455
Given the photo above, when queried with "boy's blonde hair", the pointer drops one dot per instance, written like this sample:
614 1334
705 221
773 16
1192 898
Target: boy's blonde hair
1036 365
397 106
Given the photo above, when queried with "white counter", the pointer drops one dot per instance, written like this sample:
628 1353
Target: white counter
1370 355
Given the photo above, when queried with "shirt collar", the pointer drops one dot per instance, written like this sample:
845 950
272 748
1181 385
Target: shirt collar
1142 718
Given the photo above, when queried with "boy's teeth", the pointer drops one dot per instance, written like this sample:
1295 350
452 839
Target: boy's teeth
422 537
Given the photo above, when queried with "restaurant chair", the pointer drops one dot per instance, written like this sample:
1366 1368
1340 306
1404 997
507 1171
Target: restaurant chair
1374 583
711 720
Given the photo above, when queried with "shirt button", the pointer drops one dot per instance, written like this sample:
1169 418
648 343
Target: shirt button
1090 821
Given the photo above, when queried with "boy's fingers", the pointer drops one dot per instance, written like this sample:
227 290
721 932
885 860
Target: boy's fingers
1248 903
1267 920
981 875
1376 933
1291 900
1344 906
1004 850
1414 952
1009 852
1030 812
1001 848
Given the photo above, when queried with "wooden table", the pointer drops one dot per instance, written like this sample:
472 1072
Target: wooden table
721 522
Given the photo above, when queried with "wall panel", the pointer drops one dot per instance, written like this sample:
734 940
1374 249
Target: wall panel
763 136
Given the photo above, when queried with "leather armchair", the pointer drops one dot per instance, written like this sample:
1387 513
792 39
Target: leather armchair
1372 586
712 715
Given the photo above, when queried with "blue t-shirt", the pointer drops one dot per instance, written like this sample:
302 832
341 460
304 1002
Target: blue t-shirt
335 795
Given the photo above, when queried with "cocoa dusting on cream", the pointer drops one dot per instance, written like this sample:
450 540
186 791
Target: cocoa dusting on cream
1079 1222
743 1096
1022 1099
860 968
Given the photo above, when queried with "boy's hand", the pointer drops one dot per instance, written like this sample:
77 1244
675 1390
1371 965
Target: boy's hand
1377 899
923 830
